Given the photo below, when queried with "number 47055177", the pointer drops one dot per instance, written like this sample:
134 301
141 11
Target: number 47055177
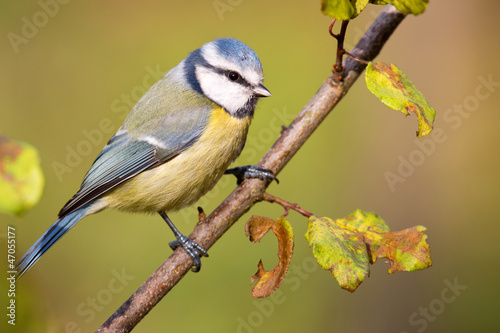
11 246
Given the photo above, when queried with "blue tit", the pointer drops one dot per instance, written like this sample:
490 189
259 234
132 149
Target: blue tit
174 145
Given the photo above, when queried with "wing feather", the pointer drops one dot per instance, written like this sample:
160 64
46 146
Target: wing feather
167 120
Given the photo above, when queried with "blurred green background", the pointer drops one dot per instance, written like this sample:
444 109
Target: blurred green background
67 86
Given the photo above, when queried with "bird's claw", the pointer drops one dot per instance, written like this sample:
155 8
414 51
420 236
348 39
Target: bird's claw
193 249
252 171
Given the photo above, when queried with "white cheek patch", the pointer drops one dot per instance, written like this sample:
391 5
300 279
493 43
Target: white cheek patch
230 95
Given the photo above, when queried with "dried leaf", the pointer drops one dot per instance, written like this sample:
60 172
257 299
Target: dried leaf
269 281
257 226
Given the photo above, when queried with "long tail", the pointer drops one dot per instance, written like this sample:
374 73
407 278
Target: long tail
55 232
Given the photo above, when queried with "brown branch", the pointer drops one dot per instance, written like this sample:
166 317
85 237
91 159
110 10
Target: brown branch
248 193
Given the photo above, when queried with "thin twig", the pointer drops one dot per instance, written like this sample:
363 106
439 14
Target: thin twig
286 205
246 195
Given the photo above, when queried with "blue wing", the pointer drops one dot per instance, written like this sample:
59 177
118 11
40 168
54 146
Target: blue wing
162 125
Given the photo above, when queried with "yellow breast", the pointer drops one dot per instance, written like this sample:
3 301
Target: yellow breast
183 180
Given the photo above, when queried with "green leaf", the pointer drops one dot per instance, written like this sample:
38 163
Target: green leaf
395 90
363 222
341 251
21 178
414 7
343 9
347 246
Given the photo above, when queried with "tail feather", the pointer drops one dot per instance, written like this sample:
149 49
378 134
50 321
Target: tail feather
55 232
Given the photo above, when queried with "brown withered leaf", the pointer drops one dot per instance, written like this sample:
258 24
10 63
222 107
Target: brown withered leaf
269 281
257 227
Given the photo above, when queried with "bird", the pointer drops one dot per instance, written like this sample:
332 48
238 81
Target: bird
173 146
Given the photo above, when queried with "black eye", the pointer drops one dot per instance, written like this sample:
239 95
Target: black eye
233 76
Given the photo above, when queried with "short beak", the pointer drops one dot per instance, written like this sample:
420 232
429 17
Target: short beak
261 91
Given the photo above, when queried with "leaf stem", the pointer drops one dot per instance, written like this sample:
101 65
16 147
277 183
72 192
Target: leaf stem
331 31
357 59
286 205
338 69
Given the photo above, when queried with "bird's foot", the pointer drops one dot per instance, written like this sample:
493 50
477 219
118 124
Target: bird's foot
251 171
192 249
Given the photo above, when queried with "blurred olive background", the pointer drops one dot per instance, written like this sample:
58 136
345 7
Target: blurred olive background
67 86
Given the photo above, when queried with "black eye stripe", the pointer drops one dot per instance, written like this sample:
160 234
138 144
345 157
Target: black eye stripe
227 72
232 76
